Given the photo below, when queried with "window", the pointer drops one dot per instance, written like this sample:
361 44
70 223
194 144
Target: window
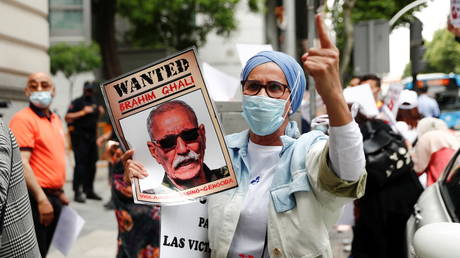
66 22
450 187
66 2
67 18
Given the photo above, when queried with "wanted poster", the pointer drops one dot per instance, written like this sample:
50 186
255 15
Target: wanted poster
164 112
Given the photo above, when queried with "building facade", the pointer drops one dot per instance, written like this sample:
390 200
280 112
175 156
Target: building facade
24 42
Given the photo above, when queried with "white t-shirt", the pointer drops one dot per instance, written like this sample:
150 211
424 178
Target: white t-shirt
346 155
249 238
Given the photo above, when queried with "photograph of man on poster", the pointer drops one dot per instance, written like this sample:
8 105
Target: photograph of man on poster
178 143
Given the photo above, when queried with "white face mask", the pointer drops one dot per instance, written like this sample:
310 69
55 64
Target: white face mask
41 99
265 115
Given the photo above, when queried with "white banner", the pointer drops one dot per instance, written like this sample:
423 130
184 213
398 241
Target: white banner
184 231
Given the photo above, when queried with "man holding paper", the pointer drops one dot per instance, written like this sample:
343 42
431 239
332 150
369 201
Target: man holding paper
40 137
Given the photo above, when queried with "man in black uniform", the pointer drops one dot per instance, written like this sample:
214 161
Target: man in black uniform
82 117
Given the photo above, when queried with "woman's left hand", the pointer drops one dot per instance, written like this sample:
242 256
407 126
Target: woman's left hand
323 63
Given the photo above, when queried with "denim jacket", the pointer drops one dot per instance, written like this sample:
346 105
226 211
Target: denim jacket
306 195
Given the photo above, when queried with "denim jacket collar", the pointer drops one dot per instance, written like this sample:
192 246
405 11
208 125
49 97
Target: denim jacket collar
290 175
240 140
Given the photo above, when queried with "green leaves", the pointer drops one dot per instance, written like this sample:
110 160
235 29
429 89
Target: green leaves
363 10
382 9
443 53
177 24
73 59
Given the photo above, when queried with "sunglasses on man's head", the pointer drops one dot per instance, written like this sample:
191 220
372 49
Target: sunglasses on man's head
169 141
273 89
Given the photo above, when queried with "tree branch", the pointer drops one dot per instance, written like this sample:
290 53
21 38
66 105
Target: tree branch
348 26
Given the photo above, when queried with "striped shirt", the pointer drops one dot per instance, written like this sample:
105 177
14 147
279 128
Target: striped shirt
18 236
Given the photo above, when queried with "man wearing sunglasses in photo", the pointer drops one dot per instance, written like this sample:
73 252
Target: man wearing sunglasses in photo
178 143
291 187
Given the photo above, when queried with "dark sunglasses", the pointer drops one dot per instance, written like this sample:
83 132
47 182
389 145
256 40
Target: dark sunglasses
169 141
273 89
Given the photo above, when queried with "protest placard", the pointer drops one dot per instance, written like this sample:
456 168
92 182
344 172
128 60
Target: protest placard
184 231
455 13
222 87
164 112
246 51
362 94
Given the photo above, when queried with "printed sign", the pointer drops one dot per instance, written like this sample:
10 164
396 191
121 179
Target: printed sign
392 97
362 94
184 231
455 13
163 111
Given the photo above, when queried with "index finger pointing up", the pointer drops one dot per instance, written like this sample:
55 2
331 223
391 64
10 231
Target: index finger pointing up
323 34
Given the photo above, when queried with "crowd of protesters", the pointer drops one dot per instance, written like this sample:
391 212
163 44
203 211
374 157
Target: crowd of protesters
380 214
342 166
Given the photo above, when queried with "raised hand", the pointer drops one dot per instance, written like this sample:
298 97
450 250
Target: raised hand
323 65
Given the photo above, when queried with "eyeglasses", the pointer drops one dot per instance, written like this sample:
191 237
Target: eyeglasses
273 89
169 141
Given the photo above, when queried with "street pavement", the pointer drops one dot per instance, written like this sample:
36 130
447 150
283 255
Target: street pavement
98 238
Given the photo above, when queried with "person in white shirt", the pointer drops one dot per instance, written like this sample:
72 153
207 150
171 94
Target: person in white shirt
291 187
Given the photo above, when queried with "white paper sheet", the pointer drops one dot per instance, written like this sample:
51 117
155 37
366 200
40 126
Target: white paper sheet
362 94
246 51
67 230
347 217
221 86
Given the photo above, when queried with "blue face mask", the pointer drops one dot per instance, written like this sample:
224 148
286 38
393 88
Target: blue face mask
264 115
41 99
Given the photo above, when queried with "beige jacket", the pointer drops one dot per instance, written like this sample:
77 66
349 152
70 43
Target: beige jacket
299 232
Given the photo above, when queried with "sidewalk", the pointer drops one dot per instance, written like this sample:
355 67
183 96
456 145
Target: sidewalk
98 236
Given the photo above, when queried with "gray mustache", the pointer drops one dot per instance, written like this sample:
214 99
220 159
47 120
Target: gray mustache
190 156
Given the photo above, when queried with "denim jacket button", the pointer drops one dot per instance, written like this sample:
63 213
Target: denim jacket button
277 252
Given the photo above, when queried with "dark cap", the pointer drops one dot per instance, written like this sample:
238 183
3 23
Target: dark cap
88 86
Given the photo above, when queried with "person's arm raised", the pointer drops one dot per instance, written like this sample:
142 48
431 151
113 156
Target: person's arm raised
323 65
345 142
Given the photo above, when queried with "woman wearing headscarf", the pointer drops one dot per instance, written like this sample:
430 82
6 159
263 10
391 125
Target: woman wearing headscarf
291 187
435 147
